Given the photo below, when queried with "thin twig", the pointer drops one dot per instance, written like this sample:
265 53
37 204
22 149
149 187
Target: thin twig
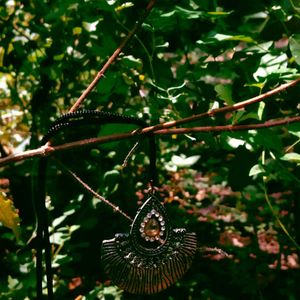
89 189
130 153
222 128
213 250
113 57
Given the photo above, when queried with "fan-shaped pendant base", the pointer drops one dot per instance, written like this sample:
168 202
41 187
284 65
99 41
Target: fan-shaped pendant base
153 256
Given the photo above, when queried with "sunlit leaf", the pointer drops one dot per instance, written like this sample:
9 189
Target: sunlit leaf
132 62
2 51
261 109
270 64
242 38
77 30
111 180
294 42
182 161
219 13
255 170
259 48
224 92
291 157
189 14
9 216
123 6
90 27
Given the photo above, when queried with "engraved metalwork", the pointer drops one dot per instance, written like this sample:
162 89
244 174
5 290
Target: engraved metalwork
153 256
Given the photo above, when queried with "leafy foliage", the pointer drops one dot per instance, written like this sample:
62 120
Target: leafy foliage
239 191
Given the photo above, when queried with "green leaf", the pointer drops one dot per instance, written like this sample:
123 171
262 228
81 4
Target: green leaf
260 48
240 38
182 161
132 62
109 129
2 52
224 92
294 129
59 57
77 30
123 6
291 157
270 64
255 170
247 116
90 27
111 180
219 37
268 139
295 133
9 216
261 109
107 84
13 283
219 13
187 14
294 43
259 85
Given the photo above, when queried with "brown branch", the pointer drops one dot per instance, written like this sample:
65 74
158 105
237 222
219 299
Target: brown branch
41 151
161 128
112 57
229 127
49 150
231 108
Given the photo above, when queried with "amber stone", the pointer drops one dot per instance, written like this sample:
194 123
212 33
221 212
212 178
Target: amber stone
152 228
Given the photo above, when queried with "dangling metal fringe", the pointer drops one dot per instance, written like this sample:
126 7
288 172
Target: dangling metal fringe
153 256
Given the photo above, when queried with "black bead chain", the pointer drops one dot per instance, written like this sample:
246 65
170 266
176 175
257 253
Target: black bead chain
89 117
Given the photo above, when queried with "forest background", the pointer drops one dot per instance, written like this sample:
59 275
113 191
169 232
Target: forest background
232 177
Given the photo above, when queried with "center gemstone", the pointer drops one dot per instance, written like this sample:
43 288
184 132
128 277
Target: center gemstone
152 228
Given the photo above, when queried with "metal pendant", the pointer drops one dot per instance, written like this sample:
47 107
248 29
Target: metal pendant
153 256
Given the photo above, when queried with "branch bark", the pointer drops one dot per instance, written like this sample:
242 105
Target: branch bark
49 150
224 109
113 57
94 193
229 127
163 128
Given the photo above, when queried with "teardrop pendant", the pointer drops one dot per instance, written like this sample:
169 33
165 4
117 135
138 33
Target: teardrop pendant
152 256
152 228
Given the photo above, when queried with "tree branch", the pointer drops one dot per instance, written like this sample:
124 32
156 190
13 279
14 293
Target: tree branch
113 57
229 127
49 150
162 128
224 109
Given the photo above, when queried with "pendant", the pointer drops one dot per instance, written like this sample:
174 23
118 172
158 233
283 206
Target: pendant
153 256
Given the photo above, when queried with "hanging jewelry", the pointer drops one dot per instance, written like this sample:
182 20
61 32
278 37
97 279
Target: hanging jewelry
153 256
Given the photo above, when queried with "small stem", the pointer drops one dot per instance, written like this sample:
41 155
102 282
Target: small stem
275 215
213 250
228 127
112 57
292 146
89 189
